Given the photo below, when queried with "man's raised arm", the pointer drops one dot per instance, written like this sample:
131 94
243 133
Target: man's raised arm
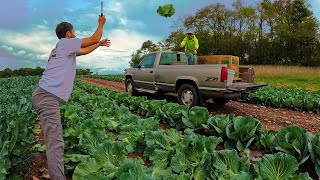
89 49
95 38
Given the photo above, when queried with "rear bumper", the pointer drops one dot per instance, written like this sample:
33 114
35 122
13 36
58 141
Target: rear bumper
225 94
232 92
248 87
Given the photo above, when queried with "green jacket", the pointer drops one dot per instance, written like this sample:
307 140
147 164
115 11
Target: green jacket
190 44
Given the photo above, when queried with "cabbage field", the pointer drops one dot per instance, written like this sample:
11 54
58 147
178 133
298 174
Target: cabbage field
300 100
116 78
296 99
112 135
18 123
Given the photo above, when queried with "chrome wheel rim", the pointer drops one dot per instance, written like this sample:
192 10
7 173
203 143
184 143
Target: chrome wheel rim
129 87
187 97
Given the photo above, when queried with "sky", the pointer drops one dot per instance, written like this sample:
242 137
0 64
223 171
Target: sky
27 28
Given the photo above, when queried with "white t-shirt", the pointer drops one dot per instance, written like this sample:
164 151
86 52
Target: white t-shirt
59 75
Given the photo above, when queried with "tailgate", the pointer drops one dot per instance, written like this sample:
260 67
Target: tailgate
249 87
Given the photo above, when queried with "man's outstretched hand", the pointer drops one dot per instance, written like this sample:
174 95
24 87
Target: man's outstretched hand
105 42
89 49
102 19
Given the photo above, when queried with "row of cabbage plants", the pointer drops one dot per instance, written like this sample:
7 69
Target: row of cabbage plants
300 100
115 78
17 125
240 133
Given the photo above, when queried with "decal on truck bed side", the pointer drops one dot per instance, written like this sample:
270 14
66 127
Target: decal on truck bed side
212 79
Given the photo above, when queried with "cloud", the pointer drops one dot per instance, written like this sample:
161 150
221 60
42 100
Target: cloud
129 40
8 60
123 21
37 43
33 44
39 40
116 7
16 53
21 53
115 58
7 48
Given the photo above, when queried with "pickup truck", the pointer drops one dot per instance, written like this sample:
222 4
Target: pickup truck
167 71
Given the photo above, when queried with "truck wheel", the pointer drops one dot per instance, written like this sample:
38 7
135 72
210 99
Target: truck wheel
188 95
220 101
130 87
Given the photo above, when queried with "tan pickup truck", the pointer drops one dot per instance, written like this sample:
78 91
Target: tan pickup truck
164 72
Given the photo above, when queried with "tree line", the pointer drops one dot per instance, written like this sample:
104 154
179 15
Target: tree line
282 32
7 73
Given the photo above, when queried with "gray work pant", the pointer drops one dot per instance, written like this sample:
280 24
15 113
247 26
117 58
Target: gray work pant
192 58
47 107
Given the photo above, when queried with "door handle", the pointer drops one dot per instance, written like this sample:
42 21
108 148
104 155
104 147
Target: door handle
151 72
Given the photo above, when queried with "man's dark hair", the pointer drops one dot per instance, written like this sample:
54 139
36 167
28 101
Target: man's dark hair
62 29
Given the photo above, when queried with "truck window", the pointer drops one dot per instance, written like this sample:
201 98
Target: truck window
165 59
148 61
179 59
169 58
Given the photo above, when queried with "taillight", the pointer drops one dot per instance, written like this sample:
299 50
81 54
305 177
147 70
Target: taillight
224 74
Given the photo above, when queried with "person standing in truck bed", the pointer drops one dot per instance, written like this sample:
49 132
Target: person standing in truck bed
191 44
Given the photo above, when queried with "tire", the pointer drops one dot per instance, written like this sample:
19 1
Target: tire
130 87
220 101
188 95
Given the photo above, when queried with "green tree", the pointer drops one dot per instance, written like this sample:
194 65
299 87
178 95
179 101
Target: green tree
147 47
7 73
136 58
273 32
